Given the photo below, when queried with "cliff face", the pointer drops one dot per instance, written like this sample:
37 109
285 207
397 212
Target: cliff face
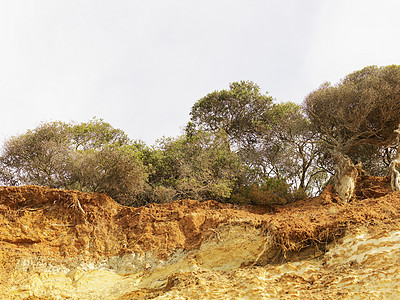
71 245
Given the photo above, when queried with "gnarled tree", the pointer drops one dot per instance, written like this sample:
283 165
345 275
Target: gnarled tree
362 109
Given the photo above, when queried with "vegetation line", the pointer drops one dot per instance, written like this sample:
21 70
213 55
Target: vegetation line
240 146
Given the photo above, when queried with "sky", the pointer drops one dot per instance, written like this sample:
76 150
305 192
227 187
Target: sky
141 65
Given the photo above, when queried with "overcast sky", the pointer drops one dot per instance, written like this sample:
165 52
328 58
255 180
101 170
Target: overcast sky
141 65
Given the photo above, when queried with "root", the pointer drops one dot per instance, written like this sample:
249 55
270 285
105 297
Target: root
267 241
80 207
77 204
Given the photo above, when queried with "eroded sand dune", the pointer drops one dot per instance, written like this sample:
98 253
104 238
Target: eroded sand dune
71 245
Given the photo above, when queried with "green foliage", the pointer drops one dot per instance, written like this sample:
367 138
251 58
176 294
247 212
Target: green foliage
364 108
238 147
115 171
242 112
95 134
355 121
92 157
271 140
200 166
270 191
375 160
291 149
37 157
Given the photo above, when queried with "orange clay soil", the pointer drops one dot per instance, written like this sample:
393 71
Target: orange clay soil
58 223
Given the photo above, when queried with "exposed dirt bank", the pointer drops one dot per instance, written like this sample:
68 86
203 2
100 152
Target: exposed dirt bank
71 245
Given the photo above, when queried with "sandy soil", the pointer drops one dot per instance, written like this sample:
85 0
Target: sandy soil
67 244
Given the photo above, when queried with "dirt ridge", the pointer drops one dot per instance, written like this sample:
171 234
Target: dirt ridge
68 231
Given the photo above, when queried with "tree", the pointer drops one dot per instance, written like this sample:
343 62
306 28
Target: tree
242 112
117 171
91 157
272 140
291 149
95 134
199 166
37 157
362 109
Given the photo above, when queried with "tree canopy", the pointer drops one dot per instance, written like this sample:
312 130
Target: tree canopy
361 110
242 112
364 108
92 157
240 146
200 166
271 139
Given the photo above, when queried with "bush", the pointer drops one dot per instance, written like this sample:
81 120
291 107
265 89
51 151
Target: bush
271 191
198 166
91 157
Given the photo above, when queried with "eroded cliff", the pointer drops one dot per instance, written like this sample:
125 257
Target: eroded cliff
71 245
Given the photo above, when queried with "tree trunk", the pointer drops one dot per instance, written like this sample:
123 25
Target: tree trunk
394 173
346 174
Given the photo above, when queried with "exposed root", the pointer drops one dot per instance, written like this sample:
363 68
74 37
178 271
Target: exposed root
77 204
80 207
267 242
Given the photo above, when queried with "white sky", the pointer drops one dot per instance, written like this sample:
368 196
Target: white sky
141 65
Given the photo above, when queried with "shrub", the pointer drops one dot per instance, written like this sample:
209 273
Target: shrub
91 157
271 191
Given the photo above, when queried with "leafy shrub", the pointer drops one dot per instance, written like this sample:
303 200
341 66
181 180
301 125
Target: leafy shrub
271 191
91 157
197 166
